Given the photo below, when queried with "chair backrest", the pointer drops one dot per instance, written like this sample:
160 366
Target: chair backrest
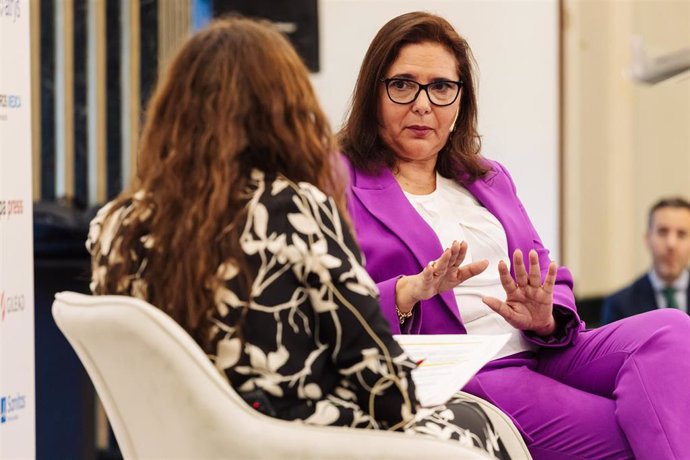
165 399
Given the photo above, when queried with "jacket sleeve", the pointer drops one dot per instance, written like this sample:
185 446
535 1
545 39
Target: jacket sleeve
386 288
568 322
411 325
349 318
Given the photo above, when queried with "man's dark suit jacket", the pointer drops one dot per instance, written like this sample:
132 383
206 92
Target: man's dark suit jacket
637 298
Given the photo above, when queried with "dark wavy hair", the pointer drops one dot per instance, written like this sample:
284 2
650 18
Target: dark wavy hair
359 138
236 96
671 202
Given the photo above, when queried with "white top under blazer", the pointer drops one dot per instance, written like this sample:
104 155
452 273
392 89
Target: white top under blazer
455 215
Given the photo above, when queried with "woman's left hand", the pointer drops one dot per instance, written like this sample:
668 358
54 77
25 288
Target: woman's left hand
529 303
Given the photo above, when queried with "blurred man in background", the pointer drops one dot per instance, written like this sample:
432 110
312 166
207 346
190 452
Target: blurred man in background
666 284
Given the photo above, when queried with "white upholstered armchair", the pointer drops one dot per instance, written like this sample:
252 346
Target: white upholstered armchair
165 399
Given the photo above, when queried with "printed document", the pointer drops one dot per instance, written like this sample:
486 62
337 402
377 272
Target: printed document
446 362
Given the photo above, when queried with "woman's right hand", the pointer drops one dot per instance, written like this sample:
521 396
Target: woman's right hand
438 276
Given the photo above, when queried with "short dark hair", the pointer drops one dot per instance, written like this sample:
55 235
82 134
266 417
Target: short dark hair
672 202
359 138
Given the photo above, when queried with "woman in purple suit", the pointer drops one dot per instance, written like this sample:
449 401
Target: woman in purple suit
419 185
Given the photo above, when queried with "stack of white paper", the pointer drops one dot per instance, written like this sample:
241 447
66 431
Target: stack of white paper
446 362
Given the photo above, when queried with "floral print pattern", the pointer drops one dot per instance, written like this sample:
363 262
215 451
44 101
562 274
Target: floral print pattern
314 340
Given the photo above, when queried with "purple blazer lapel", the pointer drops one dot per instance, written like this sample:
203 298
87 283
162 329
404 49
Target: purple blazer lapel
496 194
382 196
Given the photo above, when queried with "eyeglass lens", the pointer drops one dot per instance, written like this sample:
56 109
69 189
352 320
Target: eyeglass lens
404 91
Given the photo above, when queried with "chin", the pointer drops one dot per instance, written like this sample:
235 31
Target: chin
671 274
417 152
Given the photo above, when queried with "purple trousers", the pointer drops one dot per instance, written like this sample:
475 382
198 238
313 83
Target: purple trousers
620 391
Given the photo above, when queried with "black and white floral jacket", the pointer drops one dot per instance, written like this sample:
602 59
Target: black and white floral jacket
315 340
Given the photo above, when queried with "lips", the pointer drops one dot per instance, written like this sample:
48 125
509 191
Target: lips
419 130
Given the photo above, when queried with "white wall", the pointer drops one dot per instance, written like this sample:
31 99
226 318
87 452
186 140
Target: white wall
17 408
515 43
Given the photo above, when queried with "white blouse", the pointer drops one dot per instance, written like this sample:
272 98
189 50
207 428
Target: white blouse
454 214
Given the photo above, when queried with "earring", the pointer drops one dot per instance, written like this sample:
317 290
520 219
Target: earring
455 120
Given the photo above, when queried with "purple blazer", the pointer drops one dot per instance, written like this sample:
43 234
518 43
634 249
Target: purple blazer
397 241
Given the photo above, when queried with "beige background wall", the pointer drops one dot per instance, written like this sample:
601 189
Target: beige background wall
625 144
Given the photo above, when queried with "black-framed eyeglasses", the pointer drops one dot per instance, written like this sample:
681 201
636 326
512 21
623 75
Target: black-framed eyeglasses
406 91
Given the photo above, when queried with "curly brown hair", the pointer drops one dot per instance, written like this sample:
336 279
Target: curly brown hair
359 138
236 96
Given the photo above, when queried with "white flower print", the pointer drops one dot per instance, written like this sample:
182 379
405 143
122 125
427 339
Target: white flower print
147 241
228 351
278 186
98 276
276 244
96 225
310 189
303 224
320 301
227 271
370 360
108 231
304 338
310 391
257 175
225 297
358 288
277 359
326 413
140 288
344 393
260 217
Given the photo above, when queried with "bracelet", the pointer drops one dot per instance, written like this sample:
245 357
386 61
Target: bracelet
402 316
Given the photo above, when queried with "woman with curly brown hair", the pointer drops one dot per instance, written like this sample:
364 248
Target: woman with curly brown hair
235 227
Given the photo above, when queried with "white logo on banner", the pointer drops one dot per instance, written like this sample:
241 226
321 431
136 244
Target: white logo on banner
10 304
9 101
10 9
11 407
17 399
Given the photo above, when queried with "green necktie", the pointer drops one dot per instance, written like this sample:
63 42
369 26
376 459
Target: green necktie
669 293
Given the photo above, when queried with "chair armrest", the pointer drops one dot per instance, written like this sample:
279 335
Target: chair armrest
506 429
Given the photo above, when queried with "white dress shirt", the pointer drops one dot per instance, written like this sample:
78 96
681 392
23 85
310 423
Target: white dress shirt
680 285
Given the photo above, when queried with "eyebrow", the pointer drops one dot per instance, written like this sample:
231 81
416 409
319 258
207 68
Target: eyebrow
409 76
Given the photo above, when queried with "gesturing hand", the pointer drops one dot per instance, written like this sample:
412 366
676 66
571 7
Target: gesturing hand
529 303
438 276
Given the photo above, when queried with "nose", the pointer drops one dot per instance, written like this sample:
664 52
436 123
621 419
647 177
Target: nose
422 104
671 241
